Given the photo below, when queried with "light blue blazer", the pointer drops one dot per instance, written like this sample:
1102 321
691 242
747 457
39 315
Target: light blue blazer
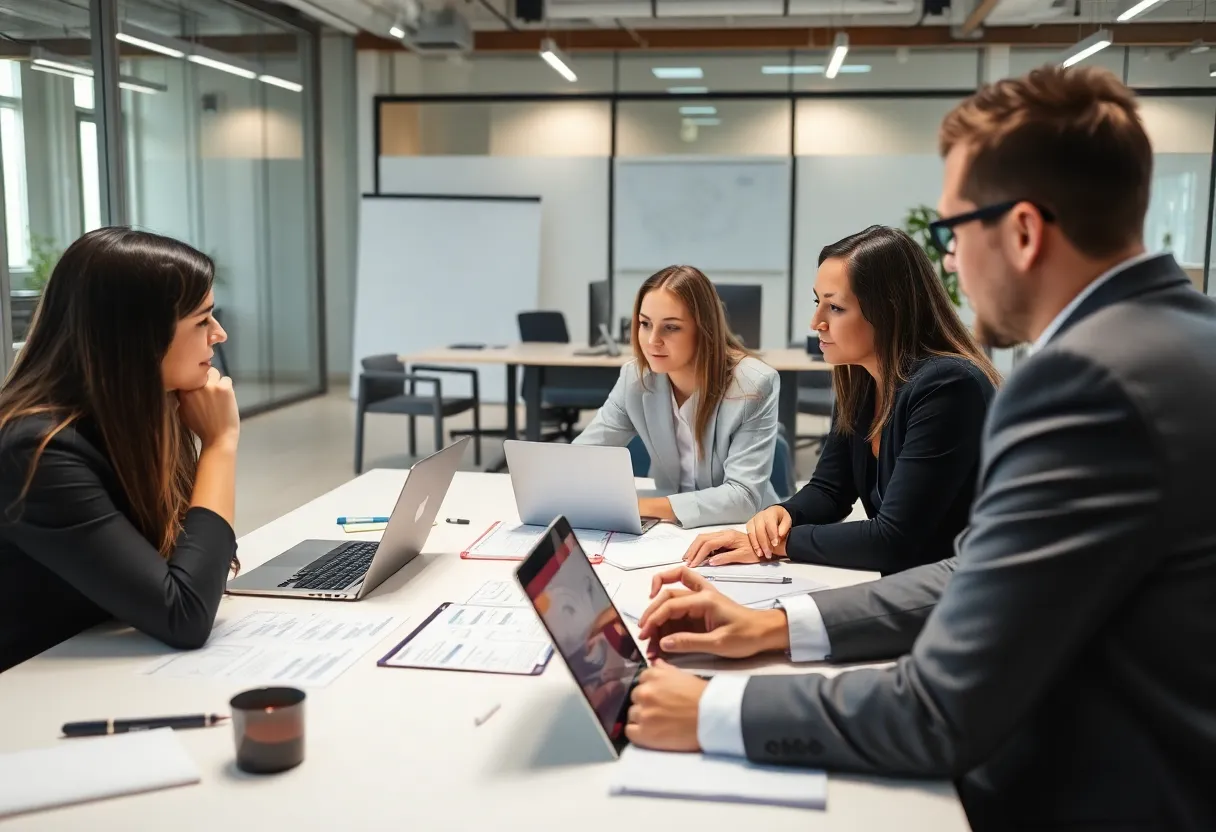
732 478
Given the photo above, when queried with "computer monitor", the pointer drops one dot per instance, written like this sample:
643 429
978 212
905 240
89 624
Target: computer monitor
742 304
597 310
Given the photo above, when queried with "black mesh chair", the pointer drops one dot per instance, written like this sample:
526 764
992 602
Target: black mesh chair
816 397
383 389
566 390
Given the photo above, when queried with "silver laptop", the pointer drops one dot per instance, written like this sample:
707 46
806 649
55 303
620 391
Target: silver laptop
336 570
591 485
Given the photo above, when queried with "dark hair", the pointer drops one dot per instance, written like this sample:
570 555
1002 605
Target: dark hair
718 350
94 351
1067 139
903 299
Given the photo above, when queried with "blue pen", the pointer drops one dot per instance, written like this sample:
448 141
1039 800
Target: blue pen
353 521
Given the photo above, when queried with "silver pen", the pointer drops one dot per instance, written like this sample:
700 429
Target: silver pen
750 579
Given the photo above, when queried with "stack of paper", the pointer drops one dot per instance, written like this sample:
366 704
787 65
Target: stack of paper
80 770
513 541
728 779
662 545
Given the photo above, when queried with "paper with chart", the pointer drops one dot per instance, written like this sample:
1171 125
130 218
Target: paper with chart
508 594
513 541
481 639
759 596
728 779
282 648
662 545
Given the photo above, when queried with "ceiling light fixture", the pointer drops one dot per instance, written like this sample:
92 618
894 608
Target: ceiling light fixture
281 82
672 73
65 68
698 111
688 90
557 59
813 69
704 122
1137 9
153 42
224 65
1091 45
840 48
145 87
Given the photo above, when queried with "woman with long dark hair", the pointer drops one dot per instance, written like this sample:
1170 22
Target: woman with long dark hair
912 390
117 451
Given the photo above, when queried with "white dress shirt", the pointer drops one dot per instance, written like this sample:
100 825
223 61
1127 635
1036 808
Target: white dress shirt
720 715
686 442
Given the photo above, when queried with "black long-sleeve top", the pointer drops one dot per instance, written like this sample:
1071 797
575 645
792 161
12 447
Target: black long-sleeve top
917 494
70 558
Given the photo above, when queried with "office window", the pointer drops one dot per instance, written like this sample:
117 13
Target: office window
90 164
12 149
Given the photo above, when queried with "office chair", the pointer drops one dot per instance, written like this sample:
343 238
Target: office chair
782 476
816 397
566 391
382 389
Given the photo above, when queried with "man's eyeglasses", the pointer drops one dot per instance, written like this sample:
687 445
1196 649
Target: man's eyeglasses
941 232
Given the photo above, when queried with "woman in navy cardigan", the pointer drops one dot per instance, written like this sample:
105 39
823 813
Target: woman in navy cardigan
912 391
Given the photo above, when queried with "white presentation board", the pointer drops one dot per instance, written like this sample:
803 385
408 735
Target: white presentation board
435 271
721 215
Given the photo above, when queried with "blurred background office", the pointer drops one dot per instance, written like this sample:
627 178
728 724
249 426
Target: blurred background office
740 137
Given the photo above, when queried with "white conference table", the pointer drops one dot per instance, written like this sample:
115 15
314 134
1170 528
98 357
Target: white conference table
390 748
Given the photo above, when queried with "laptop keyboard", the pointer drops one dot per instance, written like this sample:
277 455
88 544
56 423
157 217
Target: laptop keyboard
335 571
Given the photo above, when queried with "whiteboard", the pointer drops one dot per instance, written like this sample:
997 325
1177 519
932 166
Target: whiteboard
718 215
435 271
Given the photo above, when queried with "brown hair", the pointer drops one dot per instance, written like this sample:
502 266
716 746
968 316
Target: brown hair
94 352
904 301
718 350
1069 140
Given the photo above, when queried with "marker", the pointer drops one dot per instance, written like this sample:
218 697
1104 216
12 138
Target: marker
750 579
459 521
351 521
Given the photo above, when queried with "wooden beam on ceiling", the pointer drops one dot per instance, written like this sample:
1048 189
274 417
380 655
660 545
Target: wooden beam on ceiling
572 40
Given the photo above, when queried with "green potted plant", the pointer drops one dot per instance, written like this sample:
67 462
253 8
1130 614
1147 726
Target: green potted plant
43 257
917 226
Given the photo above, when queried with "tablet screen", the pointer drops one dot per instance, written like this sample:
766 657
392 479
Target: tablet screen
585 627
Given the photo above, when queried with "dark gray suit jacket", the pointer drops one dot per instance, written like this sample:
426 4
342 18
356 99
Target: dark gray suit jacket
1067 675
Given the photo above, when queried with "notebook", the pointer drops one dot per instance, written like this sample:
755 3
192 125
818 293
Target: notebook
81 770
728 779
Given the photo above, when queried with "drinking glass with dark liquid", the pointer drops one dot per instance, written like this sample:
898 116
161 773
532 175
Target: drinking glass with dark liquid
268 725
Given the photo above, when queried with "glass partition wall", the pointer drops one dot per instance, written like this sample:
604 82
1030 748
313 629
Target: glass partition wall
196 120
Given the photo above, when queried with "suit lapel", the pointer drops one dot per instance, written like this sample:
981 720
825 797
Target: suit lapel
1147 276
656 404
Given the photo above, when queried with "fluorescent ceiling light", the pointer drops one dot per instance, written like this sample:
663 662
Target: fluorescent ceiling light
150 45
674 72
396 31
280 82
1199 47
840 48
56 71
555 58
1093 44
813 69
142 86
48 64
704 122
698 111
1137 9
1212 71
203 60
688 90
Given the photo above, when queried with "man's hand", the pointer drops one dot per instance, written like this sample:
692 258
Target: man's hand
663 715
702 620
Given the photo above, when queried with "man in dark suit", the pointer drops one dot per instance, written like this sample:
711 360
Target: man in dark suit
1066 675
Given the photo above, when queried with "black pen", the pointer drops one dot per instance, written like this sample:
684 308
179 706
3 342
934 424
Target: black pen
459 521
100 727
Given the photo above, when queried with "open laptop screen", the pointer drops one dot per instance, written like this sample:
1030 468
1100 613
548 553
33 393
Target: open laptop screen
585 627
